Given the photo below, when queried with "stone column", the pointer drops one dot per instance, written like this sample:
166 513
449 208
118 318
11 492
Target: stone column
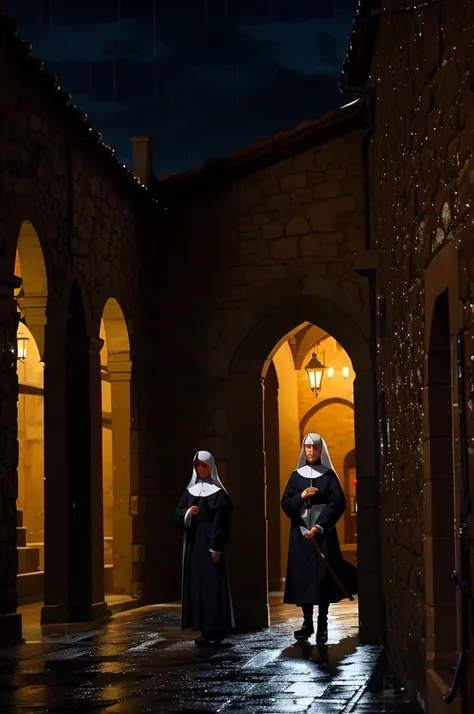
276 566
246 478
98 605
119 367
10 620
56 484
74 560
368 529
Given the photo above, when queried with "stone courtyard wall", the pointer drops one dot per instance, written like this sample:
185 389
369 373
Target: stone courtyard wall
422 178
92 223
245 247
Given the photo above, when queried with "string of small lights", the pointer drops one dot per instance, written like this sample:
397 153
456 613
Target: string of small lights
421 186
378 12
20 50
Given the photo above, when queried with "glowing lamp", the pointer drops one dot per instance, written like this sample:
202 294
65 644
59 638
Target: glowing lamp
345 372
22 348
315 370
330 372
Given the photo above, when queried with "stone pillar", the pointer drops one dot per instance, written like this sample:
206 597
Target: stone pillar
368 527
98 605
119 367
56 484
74 560
246 479
10 620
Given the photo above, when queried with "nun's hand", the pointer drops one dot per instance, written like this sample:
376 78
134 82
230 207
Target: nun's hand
308 492
310 534
215 557
194 510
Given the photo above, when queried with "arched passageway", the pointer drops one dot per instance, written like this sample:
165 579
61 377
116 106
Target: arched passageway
246 458
31 301
290 410
115 377
74 557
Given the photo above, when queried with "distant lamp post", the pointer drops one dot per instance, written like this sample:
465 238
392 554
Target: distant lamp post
345 372
315 370
330 372
22 348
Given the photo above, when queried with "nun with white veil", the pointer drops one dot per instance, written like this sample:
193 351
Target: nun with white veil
314 501
203 513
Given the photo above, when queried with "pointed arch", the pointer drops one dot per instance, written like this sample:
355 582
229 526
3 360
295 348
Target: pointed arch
320 405
244 445
116 370
32 296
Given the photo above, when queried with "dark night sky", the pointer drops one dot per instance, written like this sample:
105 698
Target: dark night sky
202 76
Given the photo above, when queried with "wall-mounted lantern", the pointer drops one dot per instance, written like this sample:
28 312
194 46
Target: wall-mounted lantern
22 348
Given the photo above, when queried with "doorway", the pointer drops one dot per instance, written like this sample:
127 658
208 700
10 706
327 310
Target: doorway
291 410
245 407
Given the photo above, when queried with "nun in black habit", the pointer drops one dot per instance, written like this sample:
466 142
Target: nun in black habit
203 513
314 501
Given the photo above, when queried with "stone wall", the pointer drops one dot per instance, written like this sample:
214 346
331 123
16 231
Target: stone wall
245 248
91 221
422 175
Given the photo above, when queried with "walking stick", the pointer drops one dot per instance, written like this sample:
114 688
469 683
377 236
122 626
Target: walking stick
325 560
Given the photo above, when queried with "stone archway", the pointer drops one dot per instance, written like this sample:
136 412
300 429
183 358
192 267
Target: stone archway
116 369
317 407
31 300
74 562
442 471
246 457
32 297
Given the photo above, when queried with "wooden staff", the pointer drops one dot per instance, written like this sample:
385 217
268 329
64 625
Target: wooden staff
325 560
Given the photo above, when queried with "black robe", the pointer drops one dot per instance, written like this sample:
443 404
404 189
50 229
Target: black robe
308 580
207 603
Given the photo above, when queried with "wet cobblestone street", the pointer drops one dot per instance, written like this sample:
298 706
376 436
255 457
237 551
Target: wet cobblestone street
141 662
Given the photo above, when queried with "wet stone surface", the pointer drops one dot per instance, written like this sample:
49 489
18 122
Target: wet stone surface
141 662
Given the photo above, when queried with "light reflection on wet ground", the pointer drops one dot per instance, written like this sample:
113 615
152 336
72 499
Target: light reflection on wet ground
141 662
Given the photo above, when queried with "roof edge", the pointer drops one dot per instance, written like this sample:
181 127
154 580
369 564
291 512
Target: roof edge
17 51
332 125
358 60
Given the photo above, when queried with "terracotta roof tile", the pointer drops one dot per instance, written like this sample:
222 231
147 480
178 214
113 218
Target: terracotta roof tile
263 153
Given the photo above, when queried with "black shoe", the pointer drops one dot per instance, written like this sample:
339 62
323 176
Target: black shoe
306 631
202 641
322 631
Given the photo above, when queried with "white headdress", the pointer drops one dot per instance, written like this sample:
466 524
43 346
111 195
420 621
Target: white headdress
210 485
314 470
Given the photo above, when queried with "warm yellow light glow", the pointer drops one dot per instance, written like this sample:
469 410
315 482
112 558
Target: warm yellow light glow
345 372
331 372
22 348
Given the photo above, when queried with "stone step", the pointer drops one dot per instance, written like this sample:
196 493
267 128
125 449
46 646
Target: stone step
28 560
20 536
40 547
19 519
30 587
